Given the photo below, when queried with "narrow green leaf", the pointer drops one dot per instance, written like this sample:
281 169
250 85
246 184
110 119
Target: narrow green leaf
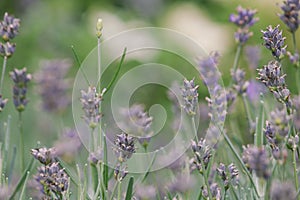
22 179
149 168
24 185
105 167
117 72
79 64
259 136
129 189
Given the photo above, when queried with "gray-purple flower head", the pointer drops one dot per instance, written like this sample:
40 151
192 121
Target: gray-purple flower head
52 84
44 155
244 20
208 69
124 147
215 191
190 96
90 101
290 15
239 83
202 155
283 191
2 103
9 27
20 79
256 158
274 41
229 174
53 181
294 58
7 49
272 77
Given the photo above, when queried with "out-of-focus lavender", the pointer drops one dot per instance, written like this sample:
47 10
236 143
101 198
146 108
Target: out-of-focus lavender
294 58
290 15
52 84
253 55
9 27
3 102
215 191
239 83
145 191
257 159
20 79
244 19
282 191
296 116
254 90
274 41
208 69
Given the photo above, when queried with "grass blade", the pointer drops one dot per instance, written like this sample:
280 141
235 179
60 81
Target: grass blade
129 189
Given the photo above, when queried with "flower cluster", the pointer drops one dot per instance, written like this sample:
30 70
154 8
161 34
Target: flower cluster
257 159
9 29
124 147
20 79
230 176
90 101
52 85
44 155
244 20
202 155
290 15
190 96
274 41
272 77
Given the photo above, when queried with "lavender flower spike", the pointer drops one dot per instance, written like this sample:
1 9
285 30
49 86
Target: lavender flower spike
124 147
290 15
20 79
190 96
244 18
9 27
274 41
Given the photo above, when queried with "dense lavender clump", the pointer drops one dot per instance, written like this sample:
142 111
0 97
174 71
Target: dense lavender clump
274 41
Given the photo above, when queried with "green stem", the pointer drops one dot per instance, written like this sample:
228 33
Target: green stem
79 65
119 191
3 72
245 102
114 190
99 64
206 180
294 42
295 170
195 129
21 141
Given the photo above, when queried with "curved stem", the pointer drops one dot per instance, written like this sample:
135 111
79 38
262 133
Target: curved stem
3 72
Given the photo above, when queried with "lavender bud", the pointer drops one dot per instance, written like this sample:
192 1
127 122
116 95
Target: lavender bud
7 49
2 103
20 79
190 96
290 14
90 101
182 183
9 27
294 58
124 147
119 173
95 157
274 41
44 155
256 159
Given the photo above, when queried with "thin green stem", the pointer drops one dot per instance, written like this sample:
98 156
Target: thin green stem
79 65
119 191
294 41
194 128
99 64
21 141
3 72
245 102
206 180
295 170
114 190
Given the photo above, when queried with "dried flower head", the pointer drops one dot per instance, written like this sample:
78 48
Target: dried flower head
53 181
52 84
274 41
44 155
190 96
124 147
272 77
283 191
90 101
7 49
202 155
9 27
239 83
290 15
20 79
256 159
2 103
